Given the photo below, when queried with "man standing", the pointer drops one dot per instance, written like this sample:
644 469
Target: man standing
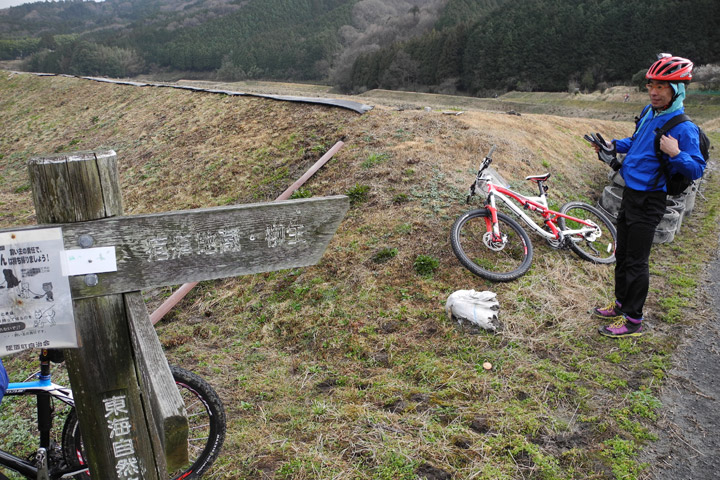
644 197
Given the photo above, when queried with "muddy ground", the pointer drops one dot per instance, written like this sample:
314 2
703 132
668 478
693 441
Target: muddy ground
689 427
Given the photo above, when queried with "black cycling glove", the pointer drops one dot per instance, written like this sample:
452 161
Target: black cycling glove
606 153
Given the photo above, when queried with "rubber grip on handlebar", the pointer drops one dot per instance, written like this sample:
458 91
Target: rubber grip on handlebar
490 153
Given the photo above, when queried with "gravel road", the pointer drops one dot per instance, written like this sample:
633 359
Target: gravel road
688 447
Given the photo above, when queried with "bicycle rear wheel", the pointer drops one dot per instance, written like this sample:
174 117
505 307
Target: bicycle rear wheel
207 426
597 246
498 261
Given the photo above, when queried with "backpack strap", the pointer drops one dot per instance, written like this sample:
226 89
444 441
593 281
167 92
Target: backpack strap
659 132
639 118
642 114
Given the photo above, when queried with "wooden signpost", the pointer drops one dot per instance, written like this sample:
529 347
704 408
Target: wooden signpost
131 415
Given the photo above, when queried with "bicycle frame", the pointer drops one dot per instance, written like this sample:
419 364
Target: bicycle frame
43 389
30 470
42 386
533 204
496 246
65 458
21 466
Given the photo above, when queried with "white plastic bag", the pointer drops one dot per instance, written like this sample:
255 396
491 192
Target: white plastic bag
478 308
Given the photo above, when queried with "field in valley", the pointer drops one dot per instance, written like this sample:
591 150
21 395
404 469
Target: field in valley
350 369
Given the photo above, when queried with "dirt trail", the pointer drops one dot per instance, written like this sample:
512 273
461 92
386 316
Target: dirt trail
689 439
689 428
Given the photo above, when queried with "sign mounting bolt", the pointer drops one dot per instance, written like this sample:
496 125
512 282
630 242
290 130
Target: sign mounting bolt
85 241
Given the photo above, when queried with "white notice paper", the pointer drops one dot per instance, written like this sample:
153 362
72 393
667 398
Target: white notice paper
35 304
89 260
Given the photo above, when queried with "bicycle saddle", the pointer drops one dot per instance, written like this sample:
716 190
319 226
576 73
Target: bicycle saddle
538 178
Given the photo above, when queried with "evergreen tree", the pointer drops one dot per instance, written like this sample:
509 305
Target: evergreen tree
476 46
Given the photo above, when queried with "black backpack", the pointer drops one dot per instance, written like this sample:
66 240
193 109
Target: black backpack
675 183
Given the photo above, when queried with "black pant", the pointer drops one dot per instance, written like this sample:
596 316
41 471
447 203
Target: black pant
639 215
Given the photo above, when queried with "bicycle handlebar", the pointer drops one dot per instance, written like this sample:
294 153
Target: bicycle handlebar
485 164
487 160
492 149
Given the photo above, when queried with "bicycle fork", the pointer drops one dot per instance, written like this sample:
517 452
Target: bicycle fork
493 238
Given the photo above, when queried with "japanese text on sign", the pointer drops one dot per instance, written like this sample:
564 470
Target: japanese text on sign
176 246
118 422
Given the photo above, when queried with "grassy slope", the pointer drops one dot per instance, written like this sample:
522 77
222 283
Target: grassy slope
350 369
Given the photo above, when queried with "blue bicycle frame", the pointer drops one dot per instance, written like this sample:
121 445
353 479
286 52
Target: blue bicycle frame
43 389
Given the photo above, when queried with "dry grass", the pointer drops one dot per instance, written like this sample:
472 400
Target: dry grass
349 369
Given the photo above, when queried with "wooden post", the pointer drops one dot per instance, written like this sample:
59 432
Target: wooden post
131 414
169 426
116 432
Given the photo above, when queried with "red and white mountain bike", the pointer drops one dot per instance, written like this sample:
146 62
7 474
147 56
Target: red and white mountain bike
494 246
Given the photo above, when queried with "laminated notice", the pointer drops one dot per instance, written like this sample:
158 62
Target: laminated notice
35 301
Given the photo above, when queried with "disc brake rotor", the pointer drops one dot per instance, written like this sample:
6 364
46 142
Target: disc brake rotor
492 243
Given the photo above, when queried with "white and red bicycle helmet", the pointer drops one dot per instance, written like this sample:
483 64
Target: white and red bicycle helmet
670 69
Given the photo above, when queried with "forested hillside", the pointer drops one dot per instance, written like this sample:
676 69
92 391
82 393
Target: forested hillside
275 39
546 45
476 47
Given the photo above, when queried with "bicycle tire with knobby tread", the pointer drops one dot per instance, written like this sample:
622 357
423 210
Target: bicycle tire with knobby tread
581 248
192 387
469 248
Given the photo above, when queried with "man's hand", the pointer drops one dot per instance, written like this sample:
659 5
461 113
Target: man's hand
599 143
606 152
669 145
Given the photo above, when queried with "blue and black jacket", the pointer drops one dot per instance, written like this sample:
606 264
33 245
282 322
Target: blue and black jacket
641 168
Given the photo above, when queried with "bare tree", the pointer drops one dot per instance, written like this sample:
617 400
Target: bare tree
380 23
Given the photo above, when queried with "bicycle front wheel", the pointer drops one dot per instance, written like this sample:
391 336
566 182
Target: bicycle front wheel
207 426
497 259
596 245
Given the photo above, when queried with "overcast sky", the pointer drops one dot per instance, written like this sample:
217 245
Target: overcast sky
12 3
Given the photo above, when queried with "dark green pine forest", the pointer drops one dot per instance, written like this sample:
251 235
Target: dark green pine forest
476 47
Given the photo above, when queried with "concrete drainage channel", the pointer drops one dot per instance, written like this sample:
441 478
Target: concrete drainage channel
678 207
